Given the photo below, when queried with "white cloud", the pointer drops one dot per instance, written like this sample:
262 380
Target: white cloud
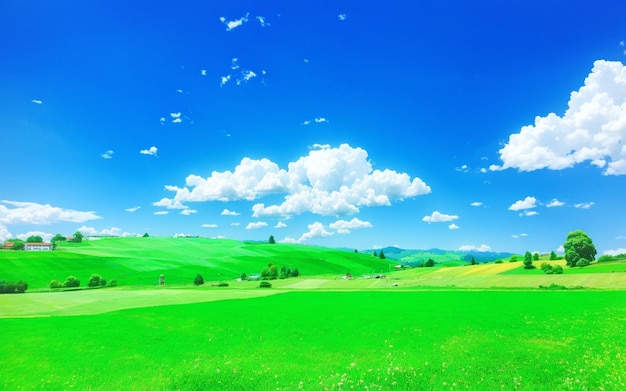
179 91
90 231
37 101
344 227
33 213
262 21
177 120
453 226
108 154
247 75
468 247
280 224
152 151
235 224
203 72
476 203
522 235
527 203
328 181
615 252
227 212
306 122
46 236
316 230
584 205
134 209
321 120
437 217
233 24
162 212
4 234
187 212
593 128
554 203
341 16
162 120
528 213
225 79
463 168
209 225
256 225
175 115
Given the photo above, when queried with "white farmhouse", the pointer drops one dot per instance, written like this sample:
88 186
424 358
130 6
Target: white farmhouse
38 246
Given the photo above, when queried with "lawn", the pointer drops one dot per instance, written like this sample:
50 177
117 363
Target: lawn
374 340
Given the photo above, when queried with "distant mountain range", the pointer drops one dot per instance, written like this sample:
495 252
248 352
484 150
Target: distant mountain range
416 257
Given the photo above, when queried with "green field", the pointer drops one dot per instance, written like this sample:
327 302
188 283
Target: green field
140 261
480 327
374 340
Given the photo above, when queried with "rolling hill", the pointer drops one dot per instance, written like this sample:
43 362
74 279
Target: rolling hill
140 261
444 257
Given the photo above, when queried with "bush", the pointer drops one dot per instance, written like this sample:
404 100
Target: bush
113 283
222 284
557 269
56 284
199 280
94 281
499 261
553 287
7 287
545 266
21 286
605 258
582 262
103 282
71 282
265 284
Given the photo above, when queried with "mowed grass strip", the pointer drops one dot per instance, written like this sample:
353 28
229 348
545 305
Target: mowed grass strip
379 340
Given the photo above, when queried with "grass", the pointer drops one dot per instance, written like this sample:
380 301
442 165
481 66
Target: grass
140 261
375 340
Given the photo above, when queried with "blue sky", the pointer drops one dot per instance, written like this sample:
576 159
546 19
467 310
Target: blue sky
461 125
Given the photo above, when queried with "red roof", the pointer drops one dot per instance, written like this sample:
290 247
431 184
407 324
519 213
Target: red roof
8 244
37 244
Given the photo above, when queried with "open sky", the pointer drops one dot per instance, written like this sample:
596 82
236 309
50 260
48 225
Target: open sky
490 125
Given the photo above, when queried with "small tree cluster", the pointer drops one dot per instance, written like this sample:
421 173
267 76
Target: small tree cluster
18 244
528 260
549 269
96 281
13 287
271 272
429 263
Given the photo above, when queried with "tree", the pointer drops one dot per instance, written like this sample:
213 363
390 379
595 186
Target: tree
78 237
429 263
34 239
244 276
94 281
375 253
381 255
18 244
58 238
528 260
271 240
146 235
579 246
273 271
473 261
295 272
199 280
21 286
71 282
553 256
535 256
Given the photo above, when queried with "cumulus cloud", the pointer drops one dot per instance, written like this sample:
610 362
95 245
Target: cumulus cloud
437 217
453 226
280 224
134 209
528 213
256 225
344 227
554 203
526 203
476 203
592 129
107 155
91 231
328 181
584 205
152 151
33 213
46 236
4 233
227 212
615 252
233 24
316 230
187 212
469 247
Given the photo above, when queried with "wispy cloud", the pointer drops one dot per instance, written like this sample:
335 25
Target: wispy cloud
187 212
437 217
37 101
233 24
554 203
209 225
134 209
341 17
584 205
161 212
262 21
152 151
522 235
20 212
107 155
476 203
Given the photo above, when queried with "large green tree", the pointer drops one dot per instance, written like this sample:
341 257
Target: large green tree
78 237
34 239
579 249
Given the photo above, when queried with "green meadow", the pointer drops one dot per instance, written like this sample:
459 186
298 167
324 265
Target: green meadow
481 327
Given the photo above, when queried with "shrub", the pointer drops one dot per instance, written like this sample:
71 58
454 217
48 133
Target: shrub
199 280
605 258
113 283
56 284
499 261
553 286
582 262
265 284
222 284
557 269
7 287
21 286
94 281
71 282
103 282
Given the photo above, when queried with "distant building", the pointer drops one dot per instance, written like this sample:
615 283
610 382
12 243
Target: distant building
8 245
38 246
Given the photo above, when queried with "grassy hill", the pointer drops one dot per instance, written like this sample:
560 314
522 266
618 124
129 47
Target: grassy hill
441 257
140 261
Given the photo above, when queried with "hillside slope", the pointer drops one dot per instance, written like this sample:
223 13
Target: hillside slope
140 261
